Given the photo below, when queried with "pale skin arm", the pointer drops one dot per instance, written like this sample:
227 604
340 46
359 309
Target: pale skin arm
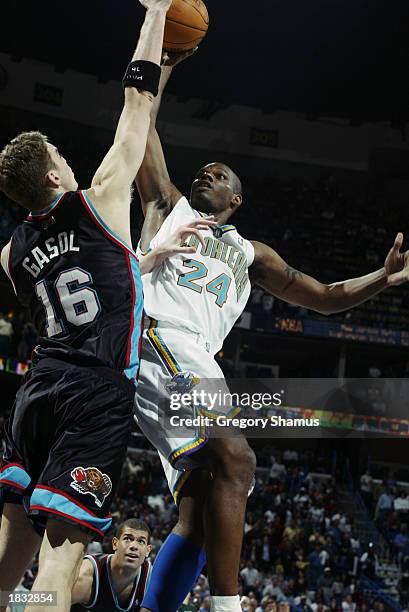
274 275
4 256
110 190
176 244
82 589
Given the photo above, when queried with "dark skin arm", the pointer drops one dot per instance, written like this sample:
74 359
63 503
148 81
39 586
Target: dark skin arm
275 276
157 192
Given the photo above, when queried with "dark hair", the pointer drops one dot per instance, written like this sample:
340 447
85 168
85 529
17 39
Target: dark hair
135 524
24 164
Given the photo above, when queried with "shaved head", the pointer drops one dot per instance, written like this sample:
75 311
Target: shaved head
236 182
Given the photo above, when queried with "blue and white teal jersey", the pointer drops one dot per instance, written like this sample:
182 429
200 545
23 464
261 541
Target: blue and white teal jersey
205 292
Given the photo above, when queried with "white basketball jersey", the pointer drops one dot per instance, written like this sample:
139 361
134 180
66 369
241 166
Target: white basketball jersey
204 292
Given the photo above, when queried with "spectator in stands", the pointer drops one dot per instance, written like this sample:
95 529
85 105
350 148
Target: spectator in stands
205 606
316 512
250 576
315 567
256 296
6 330
300 584
401 541
268 303
338 587
266 554
290 455
303 603
326 583
277 470
274 590
302 499
384 506
401 505
403 588
324 554
188 605
367 490
348 605
94 548
374 371
369 562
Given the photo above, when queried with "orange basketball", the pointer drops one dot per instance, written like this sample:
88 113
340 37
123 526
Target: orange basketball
186 25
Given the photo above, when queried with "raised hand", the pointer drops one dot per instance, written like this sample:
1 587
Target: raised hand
173 58
397 263
176 243
156 4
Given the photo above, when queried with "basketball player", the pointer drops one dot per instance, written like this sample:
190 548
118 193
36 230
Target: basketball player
72 265
118 581
192 303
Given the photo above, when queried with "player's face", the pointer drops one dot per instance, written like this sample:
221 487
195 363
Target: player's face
213 189
61 171
132 548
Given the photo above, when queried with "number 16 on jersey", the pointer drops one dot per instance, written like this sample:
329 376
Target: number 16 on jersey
79 302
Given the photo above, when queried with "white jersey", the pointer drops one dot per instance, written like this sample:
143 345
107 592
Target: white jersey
205 292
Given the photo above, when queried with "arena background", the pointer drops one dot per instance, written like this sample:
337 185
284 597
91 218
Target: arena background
309 103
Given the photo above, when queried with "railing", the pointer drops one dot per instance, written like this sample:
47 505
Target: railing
375 589
375 535
373 532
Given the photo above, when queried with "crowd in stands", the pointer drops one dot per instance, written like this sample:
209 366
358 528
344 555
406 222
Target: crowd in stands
18 336
301 551
332 234
386 497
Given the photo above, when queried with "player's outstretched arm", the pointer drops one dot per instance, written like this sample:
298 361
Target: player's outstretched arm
82 589
157 192
176 244
110 189
4 256
274 275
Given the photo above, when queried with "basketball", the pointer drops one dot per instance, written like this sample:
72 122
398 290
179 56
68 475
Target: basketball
186 25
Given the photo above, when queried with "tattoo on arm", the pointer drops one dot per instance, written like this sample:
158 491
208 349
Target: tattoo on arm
292 276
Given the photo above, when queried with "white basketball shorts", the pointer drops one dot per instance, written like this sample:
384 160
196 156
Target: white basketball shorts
175 361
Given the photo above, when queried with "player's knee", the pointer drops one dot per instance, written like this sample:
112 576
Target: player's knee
234 459
61 567
61 573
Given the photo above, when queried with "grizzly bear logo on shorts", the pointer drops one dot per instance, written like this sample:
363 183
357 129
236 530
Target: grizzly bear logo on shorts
91 480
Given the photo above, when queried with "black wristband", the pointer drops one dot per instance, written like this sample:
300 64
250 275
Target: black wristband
142 75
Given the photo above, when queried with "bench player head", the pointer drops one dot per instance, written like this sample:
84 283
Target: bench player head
131 544
126 571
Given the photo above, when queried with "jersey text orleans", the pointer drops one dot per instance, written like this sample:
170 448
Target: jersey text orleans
235 259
